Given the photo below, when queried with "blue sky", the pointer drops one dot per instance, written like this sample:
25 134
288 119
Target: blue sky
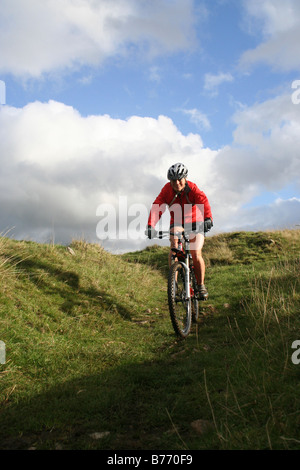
103 96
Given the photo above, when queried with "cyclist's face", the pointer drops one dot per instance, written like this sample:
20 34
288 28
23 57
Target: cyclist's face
178 185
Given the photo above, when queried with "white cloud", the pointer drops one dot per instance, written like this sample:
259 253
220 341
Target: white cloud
281 214
272 16
264 156
49 36
270 134
198 118
279 24
57 166
212 82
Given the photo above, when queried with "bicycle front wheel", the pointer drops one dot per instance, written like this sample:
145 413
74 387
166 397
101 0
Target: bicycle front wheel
179 305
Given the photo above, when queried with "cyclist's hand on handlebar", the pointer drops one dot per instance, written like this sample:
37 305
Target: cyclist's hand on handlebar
208 224
150 232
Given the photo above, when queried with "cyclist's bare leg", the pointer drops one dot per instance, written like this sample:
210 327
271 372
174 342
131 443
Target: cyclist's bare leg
196 246
173 241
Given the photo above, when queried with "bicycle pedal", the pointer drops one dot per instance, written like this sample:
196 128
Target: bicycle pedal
203 299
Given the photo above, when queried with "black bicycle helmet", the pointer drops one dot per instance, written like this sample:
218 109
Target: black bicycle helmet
177 171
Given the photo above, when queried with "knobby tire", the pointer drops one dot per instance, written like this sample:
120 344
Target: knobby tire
180 308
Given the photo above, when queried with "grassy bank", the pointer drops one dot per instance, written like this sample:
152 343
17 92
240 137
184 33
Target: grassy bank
92 361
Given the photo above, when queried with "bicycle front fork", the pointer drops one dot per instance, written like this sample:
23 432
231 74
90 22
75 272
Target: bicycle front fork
187 280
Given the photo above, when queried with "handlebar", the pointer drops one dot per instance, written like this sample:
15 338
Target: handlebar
166 233
163 234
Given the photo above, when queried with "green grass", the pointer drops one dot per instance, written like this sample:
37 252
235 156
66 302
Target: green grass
90 348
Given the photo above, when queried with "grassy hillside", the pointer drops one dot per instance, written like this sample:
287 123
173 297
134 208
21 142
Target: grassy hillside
92 361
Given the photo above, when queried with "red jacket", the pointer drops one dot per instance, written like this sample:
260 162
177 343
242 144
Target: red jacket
191 205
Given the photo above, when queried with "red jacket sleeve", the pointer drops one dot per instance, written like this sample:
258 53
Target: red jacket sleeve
158 206
201 198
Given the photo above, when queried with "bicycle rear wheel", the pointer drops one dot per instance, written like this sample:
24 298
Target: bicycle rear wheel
179 306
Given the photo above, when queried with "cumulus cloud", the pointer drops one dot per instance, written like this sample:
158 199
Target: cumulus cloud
264 156
282 213
49 36
279 25
268 137
57 166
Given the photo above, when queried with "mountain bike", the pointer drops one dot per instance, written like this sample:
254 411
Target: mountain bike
183 298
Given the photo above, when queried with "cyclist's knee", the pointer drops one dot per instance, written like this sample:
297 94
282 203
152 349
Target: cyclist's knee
196 243
196 255
174 239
